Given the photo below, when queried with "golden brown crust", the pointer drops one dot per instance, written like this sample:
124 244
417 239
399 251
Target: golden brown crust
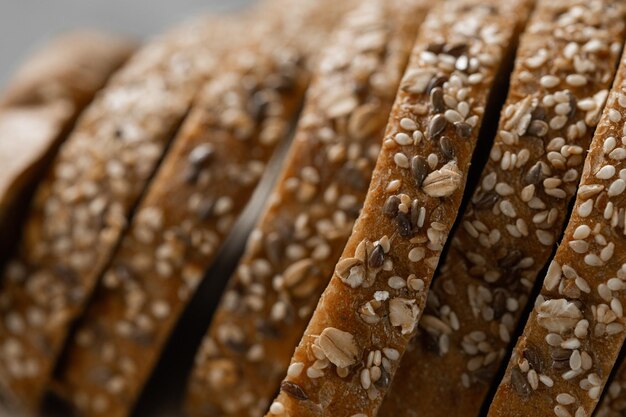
42 101
508 231
576 329
82 206
310 214
368 313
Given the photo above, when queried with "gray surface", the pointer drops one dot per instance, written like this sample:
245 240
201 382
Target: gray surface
26 24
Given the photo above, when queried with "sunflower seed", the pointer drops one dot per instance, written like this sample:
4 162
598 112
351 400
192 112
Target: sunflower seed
436 126
419 169
293 390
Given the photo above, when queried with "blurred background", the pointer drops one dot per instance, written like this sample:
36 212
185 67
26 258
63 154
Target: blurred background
26 24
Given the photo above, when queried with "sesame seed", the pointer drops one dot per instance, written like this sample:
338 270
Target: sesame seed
408 124
576 80
401 160
549 81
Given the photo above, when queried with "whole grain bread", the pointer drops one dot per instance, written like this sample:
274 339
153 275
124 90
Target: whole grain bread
564 68
565 354
297 241
39 106
200 189
204 183
83 205
366 316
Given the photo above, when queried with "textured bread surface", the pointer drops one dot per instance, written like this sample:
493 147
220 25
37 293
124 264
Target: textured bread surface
517 213
365 318
310 214
42 100
576 329
82 206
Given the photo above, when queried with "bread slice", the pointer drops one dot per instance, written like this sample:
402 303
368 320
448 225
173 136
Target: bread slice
201 188
310 213
39 106
518 211
366 316
571 341
83 205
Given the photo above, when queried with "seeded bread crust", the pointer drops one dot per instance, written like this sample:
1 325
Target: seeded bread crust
368 313
203 185
613 403
82 206
310 215
41 102
576 329
199 191
517 212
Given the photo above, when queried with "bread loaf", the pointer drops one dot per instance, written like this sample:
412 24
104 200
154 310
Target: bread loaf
366 316
83 204
565 354
517 213
310 214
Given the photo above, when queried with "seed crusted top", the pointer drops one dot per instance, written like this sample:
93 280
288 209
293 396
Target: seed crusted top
195 198
575 332
82 206
378 289
297 242
517 211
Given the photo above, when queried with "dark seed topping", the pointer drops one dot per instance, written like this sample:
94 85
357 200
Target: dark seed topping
511 259
538 128
383 381
293 390
447 150
436 126
436 100
419 169
455 50
377 257
435 47
519 383
390 209
415 212
436 81
464 130
268 330
201 154
560 354
572 105
533 357
499 303
205 209
273 248
236 346
404 224
539 113
533 176
486 201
